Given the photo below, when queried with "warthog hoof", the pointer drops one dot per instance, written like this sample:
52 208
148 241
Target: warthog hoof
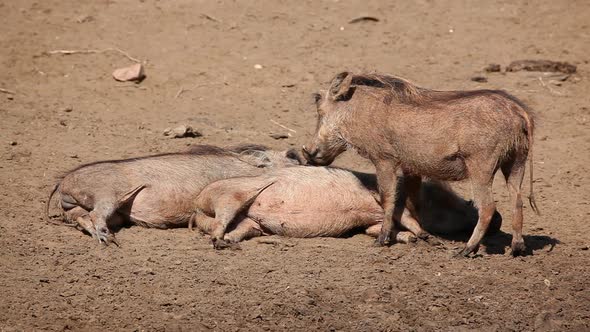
104 235
382 240
467 251
518 248
219 244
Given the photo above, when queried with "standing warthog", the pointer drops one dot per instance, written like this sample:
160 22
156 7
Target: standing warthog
154 191
444 135
317 201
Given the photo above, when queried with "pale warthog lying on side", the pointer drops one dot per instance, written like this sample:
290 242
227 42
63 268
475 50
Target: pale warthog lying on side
317 201
154 191
443 135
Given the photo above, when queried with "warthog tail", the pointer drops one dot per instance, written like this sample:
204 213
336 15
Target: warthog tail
530 128
55 187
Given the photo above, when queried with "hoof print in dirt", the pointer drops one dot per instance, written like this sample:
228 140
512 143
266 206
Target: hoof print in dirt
181 132
542 66
133 73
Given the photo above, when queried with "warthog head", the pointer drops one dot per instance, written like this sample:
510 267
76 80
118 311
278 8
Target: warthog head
328 143
263 157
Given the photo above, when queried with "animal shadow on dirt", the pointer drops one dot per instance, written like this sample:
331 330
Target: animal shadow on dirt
448 216
496 244
496 241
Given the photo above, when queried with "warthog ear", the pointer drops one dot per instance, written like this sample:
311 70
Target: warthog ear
340 87
255 158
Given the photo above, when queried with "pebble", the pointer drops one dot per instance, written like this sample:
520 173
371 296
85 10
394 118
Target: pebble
480 79
131 73
279 136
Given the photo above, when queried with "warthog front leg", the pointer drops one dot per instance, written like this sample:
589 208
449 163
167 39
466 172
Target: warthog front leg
99 217
105 210
83 221
386 181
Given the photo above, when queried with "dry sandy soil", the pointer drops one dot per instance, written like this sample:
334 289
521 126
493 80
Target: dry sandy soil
67 110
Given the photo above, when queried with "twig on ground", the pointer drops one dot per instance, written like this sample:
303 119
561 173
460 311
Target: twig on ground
10 92
61 223
180 91
364 19
134 85
275 242
209 17
282 126
549 88
183 90
110 49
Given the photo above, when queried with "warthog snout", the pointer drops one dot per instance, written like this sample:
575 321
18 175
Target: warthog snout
316 157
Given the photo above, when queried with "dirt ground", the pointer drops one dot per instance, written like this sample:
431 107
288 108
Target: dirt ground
200 63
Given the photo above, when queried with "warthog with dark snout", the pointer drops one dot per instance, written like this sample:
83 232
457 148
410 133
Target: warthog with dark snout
443 135
154 191
317 201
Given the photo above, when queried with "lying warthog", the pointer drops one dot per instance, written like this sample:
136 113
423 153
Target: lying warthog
444 135
154 191
317 201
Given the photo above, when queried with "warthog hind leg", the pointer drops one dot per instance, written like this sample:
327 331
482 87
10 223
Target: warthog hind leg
481 185
514 173
231 204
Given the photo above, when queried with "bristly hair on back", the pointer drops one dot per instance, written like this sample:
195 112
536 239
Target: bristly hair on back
195 150
241 148
207 150
399 88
